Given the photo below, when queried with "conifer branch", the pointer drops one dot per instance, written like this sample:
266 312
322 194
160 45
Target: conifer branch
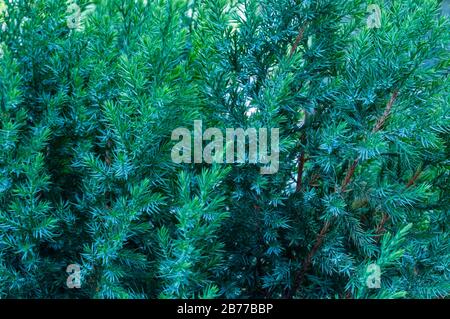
301 165
348 177
91 151
380 227
414 177
387 112
378 126
299 38
301 159
319 240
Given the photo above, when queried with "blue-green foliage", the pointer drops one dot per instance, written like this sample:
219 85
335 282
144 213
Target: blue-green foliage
86 175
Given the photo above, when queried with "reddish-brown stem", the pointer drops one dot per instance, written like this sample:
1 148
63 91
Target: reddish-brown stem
298 39
380 227
301 160
301 165
387 111
348 177
307 262
319 240
378 126
414 177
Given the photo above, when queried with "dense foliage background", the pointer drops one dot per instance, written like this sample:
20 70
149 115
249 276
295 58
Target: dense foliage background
86 116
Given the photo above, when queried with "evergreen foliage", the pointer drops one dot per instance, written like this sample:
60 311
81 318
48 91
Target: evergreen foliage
87 115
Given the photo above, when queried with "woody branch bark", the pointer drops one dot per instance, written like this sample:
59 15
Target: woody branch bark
299 38
380 123
348 177
380 227
301 158
301 165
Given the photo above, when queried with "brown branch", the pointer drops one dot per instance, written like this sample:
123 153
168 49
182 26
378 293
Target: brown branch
298 39
414 177
348 177
301 160
380 227
301 165
319 240
307 262
387 111
378 126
